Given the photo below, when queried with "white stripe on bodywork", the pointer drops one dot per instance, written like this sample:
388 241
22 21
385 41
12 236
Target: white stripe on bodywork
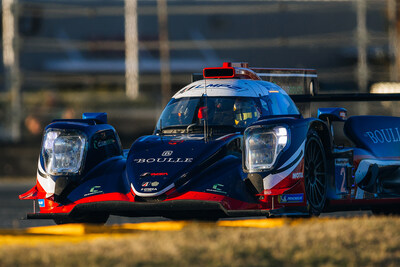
152 194
272 180
46 183
294 156
363 167
227 136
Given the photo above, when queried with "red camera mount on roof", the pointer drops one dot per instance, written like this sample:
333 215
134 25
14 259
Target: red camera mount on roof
229 70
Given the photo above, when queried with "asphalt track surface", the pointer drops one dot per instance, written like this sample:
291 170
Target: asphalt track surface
13 210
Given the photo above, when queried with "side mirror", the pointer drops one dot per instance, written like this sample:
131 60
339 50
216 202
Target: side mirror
332 114
100 117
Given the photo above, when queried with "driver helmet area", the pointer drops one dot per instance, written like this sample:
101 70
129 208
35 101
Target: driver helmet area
245 112
239 112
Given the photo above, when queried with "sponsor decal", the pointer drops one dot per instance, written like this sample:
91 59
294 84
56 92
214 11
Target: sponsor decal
148 189
291 198
163 160
388 135
211 85
41 203
297 175
159 174
167 153
101 143
217 188
343 115
175 142
146 174
147 184
341 165
94 190
341 161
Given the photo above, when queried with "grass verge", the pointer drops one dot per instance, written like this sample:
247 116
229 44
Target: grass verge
362 241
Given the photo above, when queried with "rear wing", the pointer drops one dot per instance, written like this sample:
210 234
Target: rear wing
293 81
301 84
346 97
355 103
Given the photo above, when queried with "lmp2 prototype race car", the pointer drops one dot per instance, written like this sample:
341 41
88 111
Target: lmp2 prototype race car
230 144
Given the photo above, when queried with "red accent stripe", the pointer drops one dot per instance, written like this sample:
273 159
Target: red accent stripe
36 192
31 194
51 208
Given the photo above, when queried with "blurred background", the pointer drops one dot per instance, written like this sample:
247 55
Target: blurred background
128 57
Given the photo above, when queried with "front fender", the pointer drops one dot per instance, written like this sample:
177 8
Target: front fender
298 129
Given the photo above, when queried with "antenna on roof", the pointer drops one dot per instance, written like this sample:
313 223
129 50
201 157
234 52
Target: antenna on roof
206 109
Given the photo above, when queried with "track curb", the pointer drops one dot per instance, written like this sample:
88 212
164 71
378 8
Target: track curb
82 232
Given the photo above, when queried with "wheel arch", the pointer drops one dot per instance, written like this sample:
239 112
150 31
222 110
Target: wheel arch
324 135
319 130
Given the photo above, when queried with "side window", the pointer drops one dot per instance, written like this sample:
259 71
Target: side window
178 112
274 103
291 107
282 104
264 107
106 144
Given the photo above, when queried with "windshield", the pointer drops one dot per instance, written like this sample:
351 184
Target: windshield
228 112
223 114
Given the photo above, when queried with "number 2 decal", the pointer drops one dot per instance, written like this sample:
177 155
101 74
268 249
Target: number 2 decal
343 174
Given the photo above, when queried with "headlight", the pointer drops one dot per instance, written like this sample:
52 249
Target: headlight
263 145
63 151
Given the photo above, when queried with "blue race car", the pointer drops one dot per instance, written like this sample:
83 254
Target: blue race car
230 144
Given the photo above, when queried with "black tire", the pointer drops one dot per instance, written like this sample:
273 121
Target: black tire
99 218
315 174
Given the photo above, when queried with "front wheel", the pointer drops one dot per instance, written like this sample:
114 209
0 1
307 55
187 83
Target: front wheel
315 174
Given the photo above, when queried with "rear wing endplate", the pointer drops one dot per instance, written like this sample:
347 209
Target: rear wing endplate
293 81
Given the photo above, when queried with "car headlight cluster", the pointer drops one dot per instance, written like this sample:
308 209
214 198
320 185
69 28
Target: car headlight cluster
63 151
263 145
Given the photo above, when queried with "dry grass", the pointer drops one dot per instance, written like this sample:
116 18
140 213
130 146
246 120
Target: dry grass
367 241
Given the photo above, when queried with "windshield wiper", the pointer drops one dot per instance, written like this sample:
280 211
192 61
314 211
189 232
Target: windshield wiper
190 126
